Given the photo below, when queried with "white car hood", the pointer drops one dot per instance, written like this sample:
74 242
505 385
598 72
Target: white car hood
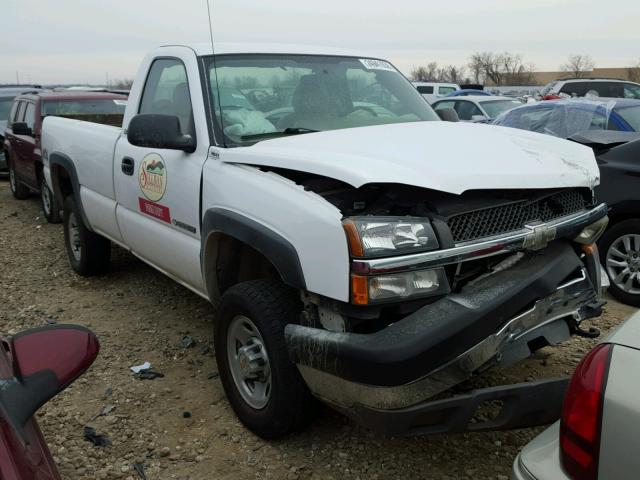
445 156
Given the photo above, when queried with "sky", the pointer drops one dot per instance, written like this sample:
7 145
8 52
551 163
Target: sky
86 41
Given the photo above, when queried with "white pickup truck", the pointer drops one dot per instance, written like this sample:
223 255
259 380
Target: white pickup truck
359 250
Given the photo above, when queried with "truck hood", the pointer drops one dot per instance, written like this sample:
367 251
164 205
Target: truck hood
450 157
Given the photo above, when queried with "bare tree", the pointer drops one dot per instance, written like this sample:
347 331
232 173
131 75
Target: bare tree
633 73
578 65
429 73
500 68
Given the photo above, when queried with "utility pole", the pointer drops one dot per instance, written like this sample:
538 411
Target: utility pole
17 78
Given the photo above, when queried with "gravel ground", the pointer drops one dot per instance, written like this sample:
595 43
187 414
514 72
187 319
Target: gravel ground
139 315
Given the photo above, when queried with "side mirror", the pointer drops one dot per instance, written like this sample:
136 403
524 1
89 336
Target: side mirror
45 361
21 128
159 131
478 118
448 115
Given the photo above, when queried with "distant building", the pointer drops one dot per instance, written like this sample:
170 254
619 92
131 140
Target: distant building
542 78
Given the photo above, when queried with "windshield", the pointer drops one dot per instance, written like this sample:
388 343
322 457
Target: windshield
496 107
265 96
83 107
5 108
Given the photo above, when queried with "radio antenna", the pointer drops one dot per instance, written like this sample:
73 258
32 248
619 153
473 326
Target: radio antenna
217 105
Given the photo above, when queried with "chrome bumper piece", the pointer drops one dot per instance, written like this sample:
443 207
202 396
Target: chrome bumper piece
547 318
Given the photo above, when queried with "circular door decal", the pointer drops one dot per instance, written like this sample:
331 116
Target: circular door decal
153 177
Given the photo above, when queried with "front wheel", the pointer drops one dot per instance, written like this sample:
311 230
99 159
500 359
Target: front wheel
263 386
89 253
620 254
50 206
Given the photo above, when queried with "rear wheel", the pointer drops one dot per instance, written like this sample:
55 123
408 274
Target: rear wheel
18 190
89 253
50 206
263 386
620 253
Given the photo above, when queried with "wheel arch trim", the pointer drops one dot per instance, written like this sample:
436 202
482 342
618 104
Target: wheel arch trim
273 246
64 162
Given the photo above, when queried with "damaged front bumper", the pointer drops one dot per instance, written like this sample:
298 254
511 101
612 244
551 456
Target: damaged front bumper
385 379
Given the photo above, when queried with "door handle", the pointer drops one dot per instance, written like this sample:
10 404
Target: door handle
128 165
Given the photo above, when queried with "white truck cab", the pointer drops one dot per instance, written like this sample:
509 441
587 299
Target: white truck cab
359 250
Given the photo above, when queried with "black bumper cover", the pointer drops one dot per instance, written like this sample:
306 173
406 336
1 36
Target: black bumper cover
437 333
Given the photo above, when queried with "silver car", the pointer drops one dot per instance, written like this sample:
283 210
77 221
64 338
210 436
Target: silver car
598 436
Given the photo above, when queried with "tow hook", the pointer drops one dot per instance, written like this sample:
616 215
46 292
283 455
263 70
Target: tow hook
593 332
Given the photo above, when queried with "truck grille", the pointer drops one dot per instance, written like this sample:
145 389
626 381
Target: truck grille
492 221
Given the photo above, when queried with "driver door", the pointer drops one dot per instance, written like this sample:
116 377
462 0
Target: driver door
158 190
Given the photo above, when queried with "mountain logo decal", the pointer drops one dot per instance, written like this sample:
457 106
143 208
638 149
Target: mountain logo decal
153 177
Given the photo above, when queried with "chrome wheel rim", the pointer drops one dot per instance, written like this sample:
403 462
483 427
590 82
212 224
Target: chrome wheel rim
249 362
623 263
73 230
12 180
46 197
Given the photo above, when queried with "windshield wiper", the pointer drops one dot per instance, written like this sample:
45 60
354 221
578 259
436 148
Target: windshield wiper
285 132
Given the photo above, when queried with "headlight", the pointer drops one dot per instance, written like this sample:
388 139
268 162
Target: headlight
405 285
384 236
591 233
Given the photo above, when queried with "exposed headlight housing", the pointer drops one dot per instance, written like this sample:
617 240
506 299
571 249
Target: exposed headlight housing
591 233
371 237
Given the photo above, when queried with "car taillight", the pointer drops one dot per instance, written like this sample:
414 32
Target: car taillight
582 415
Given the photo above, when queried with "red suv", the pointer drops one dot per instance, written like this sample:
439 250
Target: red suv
24 125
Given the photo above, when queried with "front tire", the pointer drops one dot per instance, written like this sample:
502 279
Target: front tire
18 190
263 386
89 253
620 255
50 206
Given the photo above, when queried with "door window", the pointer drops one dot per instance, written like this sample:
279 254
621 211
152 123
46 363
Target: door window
424 90
443 105
466 110
30 115
446 90
20 112
631 90
167 92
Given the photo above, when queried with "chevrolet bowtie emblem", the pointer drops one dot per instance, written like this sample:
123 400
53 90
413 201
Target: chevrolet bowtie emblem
539 237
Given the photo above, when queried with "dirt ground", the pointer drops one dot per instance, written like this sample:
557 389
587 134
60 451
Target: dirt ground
139 315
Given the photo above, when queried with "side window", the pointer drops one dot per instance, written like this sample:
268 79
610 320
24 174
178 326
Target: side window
575 89
631 91
443 105
466 110
446 90
424 90
20 112
167 92
30 115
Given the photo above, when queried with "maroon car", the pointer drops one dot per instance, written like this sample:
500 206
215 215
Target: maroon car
34 366
24 125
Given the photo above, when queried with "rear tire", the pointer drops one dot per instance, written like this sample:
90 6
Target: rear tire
253 359
620 255
89 253
50 206
18 190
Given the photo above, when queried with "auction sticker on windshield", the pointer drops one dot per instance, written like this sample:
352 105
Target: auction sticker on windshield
371 64
153 177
